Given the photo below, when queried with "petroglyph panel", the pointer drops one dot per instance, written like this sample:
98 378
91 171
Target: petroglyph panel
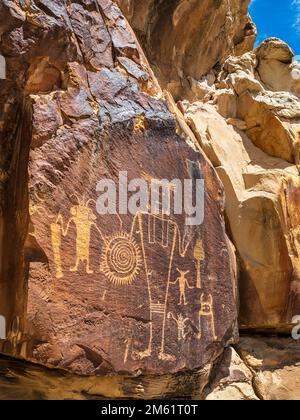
129 292
81 105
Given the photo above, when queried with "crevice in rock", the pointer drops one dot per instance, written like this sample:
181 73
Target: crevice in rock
14 268
254 385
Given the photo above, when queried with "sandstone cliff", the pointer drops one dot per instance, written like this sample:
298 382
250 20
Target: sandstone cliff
139 296
251 134
187 40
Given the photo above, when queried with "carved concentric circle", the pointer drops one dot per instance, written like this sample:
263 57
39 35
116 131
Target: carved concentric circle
121 259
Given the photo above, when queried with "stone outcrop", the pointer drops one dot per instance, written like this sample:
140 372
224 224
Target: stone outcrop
138 305
251 135
106 294
260 368
185 40
28 381
275 365
248 92
276 67
231 379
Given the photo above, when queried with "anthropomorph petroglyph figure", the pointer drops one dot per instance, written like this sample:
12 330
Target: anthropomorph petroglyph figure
183 283
161 231
84 219
206 315
37 209
158 307
181 325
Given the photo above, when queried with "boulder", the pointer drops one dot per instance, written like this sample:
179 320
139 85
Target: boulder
232 380
95 293
258 368
275 363
277 68
271 114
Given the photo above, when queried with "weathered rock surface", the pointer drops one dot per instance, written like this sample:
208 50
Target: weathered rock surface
275 363
271 115
144 306
260 368
21 380
231 380
276 67
251 135
106 294
185 40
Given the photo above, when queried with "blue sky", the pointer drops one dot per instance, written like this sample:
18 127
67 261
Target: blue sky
280 18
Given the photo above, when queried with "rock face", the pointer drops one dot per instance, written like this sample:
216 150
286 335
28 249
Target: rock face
276 67
251 135
275 366
261 368
232 379
106 293
145 304
212 30
20 381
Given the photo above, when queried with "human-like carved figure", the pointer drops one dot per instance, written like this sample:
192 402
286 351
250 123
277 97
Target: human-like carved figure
158 308
181 325
182 285
206 313
83 219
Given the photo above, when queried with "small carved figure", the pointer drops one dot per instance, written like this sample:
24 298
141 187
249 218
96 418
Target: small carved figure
181 325
206 314
182 285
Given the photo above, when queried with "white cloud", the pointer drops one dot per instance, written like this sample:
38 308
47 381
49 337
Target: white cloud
296 8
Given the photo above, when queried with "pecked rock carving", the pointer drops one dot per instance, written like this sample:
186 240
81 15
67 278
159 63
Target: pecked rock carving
138 304
106 293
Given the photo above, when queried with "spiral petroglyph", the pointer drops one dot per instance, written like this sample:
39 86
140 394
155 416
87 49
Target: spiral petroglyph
121 259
